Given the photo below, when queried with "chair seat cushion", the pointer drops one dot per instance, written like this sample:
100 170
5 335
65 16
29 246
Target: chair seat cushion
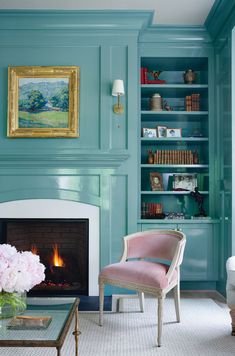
140 272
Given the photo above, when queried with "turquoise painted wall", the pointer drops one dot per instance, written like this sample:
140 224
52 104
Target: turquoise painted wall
99 167
220 24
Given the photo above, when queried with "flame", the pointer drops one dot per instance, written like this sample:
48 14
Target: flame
34 249
57 260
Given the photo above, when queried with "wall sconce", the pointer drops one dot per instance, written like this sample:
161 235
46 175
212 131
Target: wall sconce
118 90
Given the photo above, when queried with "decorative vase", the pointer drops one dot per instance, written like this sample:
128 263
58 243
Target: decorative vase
189 76
156 102
12 304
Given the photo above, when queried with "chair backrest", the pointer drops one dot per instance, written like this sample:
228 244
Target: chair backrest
161 244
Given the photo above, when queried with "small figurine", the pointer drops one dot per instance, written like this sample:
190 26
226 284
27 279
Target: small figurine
155 74
166 106
150 157
199 199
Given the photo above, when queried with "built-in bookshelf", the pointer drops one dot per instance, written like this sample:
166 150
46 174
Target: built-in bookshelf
175 138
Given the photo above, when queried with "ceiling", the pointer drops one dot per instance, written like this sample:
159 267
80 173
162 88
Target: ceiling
166 12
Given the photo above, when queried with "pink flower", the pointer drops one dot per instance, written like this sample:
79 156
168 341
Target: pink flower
19 271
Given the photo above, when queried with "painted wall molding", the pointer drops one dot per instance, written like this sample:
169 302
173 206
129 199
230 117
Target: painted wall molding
75 19
176 34
64 159
221 18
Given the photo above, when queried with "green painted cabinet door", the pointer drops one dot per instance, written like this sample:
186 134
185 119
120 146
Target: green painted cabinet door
200 261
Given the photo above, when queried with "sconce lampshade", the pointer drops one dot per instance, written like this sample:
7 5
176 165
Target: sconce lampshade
118 87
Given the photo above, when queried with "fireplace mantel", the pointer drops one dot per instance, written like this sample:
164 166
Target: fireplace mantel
65 158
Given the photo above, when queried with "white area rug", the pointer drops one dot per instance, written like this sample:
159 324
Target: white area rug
205 329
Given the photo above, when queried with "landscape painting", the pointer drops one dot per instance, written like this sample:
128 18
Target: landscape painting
43 102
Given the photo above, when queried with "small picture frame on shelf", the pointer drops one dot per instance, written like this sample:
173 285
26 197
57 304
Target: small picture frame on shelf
147 132
161 131
173 132
156 181
184 181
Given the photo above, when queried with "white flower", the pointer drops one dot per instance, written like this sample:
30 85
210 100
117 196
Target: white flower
19 271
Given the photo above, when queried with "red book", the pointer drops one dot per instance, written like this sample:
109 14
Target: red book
156 81
145 76
142 75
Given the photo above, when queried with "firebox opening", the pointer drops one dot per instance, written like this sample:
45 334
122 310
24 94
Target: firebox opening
62 245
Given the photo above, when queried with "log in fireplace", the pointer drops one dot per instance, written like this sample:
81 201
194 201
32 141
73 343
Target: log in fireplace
62 245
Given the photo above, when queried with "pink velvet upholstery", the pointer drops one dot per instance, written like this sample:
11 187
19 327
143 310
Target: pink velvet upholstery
148 245
144 276
140 272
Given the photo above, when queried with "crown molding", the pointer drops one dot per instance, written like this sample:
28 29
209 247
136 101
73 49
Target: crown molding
75 19
221 18
165 33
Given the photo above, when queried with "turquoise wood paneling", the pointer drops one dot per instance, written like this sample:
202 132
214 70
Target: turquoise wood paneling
99 167
200 261
118 192
223 93
223 22
221 18
119 58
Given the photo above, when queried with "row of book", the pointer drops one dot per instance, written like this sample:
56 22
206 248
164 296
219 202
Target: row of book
150 209
192 102
176 157
145 77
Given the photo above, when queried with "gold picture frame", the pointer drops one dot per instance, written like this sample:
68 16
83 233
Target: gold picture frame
43 101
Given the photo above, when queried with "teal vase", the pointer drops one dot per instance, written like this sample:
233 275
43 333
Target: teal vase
12 304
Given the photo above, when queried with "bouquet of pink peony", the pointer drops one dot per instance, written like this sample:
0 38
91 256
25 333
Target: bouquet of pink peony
19 272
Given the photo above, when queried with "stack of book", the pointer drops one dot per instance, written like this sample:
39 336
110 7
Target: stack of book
173 157
145 77
149 210
192 102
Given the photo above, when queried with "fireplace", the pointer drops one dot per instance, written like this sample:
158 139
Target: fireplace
62 245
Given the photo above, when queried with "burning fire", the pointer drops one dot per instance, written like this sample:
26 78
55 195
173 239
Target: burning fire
57 260
34 249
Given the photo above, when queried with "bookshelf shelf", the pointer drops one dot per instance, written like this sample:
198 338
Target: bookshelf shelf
173 112
173 140
192 166
185 107
175 86
165 192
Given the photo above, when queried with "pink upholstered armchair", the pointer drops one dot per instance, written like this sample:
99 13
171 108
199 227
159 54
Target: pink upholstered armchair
150 277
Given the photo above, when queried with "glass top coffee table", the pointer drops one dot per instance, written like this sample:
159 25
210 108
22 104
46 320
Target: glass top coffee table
61 310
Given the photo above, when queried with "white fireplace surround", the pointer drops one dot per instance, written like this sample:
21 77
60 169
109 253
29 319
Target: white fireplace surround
61 209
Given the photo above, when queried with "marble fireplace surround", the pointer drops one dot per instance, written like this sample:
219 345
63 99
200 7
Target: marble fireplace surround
62 209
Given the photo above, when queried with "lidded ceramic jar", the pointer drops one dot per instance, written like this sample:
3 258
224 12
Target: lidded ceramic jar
156 102
189 76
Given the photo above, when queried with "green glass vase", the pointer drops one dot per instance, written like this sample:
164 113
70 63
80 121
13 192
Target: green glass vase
12 304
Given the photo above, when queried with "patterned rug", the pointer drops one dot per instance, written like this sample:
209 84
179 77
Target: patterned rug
205 329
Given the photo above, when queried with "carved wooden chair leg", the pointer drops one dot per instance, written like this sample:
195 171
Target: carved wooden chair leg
160 320
232 314
101 300
177 302
141 300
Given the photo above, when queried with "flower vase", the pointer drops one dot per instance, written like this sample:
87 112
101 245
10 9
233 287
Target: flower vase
12 304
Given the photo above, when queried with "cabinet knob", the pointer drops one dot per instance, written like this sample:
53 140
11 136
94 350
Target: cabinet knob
226 218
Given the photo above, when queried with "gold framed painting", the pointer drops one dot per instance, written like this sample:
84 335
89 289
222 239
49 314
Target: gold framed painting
43 101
